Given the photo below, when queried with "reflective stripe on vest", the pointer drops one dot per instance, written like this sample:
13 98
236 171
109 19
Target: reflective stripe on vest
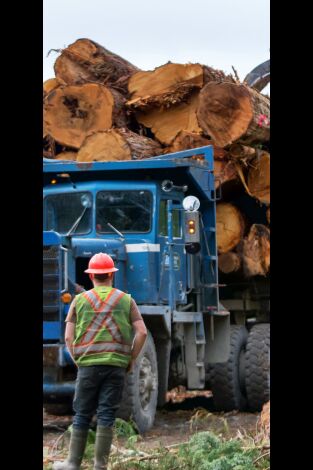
102 347
103 317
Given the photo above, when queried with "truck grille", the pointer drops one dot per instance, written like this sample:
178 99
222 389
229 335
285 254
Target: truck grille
51 283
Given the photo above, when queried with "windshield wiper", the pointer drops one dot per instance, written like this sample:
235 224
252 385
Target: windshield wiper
76 223
86 202
115 230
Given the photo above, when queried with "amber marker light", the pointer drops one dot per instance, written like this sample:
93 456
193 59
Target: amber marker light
191 227
66 298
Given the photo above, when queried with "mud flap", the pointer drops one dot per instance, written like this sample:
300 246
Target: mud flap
218 338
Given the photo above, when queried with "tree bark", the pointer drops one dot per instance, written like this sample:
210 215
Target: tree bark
230 226
255 250
72 112
164 86
231 112
225 171
259 177
117 144
190 140
49 146
86 61
252 256
268 215
241 152
47 153
169 84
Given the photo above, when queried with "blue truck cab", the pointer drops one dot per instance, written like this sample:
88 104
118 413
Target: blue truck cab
156 218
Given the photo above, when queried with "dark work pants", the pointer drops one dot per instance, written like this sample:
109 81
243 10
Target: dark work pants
98 389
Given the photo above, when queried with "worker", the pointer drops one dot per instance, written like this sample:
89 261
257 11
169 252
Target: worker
99 330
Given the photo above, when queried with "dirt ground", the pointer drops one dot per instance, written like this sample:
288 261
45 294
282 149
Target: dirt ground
173 425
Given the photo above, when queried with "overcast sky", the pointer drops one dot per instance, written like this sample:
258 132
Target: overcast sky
149 33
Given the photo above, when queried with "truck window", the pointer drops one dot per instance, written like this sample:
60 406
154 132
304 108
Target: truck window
127 211
163 220
61 211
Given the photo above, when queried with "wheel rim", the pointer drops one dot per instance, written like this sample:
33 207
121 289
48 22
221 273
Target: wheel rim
147 382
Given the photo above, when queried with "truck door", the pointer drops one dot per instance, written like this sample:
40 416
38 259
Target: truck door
179 255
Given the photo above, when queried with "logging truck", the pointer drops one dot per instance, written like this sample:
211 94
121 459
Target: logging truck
156 218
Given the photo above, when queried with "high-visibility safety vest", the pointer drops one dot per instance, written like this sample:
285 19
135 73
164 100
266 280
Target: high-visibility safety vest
103 333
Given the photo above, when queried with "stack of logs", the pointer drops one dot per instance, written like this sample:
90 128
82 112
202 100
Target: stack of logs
100 107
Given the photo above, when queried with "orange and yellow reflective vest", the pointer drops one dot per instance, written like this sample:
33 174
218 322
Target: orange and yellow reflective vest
103 333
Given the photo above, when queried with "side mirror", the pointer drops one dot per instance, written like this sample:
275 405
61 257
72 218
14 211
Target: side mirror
85 201
191 203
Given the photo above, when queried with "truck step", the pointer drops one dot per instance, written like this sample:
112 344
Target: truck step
210 257
187 317
212 310
212 286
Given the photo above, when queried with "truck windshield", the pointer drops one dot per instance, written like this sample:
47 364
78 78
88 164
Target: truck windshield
128 211
61 211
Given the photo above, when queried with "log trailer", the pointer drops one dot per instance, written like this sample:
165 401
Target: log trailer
156 219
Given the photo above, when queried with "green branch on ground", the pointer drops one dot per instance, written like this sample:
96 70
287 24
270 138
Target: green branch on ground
204 451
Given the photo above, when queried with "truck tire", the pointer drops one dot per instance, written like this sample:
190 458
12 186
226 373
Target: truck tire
257 368
140 393
227 378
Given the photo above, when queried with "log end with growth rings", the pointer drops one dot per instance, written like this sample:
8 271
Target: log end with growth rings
230 226
72 112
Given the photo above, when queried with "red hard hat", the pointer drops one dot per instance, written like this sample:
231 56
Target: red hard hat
101 263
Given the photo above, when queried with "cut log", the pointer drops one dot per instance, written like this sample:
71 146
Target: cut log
169 84
72 112
241 152
230 112
164 86
190 140
256 251
117 144
49 147
86 61
268 215
259 177
47 153
50 85
225 171
66 156
230 226
229 262
166 123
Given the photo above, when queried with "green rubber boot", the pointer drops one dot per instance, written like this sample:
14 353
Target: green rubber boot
104 436
76 451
